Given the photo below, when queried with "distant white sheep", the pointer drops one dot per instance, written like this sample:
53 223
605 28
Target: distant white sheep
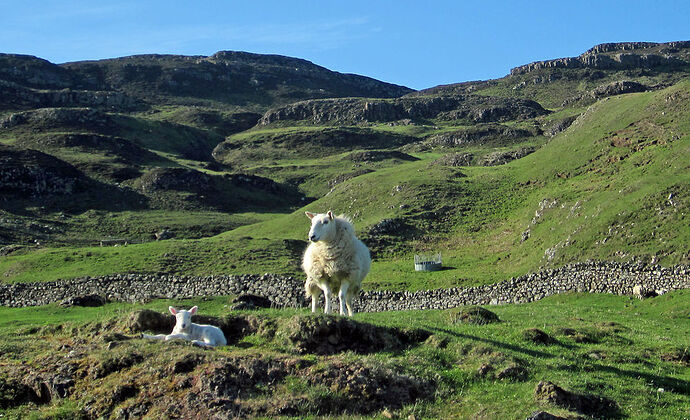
185 329
334 260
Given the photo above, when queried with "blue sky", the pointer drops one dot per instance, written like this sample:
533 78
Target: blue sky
414 43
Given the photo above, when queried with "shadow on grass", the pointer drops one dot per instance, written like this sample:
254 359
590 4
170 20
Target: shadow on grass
533 353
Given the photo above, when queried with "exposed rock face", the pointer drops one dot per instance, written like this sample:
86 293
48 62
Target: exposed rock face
379 155
350 111
602 57
455 159
481 134
618 88
29 173
503 157
19 97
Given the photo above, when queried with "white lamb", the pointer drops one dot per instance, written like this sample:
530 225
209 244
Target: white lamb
334 260
185 329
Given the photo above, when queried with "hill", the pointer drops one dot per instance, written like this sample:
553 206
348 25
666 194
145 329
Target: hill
501 183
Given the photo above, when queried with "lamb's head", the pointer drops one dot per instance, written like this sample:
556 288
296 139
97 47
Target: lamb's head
183 318
322 226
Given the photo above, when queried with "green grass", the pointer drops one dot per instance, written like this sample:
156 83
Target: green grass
622 358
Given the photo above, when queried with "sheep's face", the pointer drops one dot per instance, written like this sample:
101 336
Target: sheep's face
183 318
322 227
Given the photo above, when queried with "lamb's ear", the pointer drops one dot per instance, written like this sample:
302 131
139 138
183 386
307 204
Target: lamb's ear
172 310
193 310
310 215
330 215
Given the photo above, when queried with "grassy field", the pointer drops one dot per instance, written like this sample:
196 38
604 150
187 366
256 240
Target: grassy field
632 353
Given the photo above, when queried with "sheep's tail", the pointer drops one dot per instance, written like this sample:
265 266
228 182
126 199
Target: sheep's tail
311 288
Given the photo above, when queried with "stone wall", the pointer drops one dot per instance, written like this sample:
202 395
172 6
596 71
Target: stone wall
592 277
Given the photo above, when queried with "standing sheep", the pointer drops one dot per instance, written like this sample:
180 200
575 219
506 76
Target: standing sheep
334 260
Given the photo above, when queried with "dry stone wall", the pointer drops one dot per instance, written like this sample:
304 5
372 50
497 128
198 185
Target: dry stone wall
282 291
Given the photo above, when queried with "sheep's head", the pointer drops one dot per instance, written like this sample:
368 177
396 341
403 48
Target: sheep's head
183 318
322 226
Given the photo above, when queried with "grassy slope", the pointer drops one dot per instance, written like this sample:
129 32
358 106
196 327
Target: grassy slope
610 174
620 357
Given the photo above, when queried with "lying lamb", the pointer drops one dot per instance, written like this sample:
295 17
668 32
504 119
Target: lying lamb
185 329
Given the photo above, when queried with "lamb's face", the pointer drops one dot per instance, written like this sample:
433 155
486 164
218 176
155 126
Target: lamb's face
322 227
183 318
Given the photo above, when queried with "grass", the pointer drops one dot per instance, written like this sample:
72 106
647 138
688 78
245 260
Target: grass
623 359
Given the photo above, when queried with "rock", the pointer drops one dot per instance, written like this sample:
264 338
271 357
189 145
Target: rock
503 157
163 235
455 159
473 315
86 300
618 88
355 110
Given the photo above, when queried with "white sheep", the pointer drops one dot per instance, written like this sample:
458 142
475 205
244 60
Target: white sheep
334 260
185 329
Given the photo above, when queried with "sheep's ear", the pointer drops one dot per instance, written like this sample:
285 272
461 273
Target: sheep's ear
310 215
330 215
193 310
172 310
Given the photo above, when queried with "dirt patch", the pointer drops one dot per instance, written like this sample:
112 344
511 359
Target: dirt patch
680 356
548 392
537 336
472 315
329 335
364 389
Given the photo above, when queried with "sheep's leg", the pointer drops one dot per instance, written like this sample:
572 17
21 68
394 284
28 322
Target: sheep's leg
154 337
177 337
342 296
327 298
348 302
313 303
201 343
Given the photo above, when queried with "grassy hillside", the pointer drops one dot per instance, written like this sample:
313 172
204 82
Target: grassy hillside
613 186
623 358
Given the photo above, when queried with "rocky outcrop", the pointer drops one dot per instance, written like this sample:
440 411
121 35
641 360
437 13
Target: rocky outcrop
618 56
30 173
177 179
480 134
14 96
282 291
474 108
502 157
379 155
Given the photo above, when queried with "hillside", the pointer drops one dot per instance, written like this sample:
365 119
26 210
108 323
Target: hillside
499 180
